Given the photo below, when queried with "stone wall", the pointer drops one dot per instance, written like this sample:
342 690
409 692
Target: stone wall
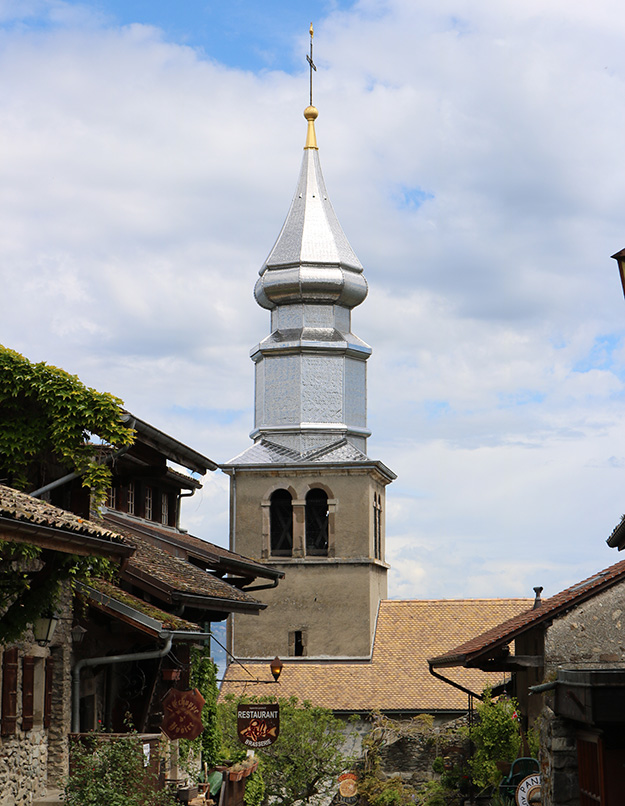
590 636
23 767
558 760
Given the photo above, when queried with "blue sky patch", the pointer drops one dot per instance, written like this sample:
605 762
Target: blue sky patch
411 198
436 408
522 397
600 355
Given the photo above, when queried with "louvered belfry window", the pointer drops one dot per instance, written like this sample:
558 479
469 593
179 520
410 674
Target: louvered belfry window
281 523
317 523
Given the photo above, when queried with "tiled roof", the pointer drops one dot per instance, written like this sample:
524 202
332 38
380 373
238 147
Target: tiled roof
23 508
111 595
221 557
265 452
397 677
175 575
501 634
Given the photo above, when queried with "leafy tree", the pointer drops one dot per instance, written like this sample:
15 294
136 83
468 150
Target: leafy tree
48 417
496 736
307 757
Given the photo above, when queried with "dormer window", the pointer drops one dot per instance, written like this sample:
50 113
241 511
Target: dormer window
165 508
148 503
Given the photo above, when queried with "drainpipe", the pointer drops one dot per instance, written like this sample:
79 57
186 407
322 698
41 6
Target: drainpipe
182 495
106 660
71 476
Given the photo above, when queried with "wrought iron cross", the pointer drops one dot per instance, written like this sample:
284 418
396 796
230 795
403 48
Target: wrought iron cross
309 59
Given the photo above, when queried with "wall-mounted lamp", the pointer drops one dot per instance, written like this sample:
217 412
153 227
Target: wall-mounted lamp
44 627
78 633
276 668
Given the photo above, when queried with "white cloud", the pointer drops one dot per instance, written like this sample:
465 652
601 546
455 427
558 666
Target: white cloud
142 185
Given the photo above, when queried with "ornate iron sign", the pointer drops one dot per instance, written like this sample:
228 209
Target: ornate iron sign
258 725
182 714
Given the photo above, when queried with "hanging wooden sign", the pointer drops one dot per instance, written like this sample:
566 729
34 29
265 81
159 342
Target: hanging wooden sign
182 714
258 725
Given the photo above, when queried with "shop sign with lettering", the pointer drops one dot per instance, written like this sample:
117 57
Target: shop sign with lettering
258 725
182 714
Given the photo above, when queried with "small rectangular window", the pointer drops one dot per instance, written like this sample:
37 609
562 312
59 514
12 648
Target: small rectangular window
111 499
130 500
148 503
165 508
297 643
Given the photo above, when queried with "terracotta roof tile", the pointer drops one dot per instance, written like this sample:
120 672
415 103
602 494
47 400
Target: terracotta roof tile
397 677
503 633
23 508
210 552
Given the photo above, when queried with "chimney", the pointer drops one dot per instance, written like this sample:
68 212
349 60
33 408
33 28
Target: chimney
537 600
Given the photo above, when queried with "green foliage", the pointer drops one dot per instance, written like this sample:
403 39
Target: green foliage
255 787
496 736
49 416
110 772
306 759
204 678
31 580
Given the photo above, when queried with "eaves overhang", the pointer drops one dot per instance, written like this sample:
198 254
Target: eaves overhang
380 467
68 542
484 648
170 595
143 622
173 449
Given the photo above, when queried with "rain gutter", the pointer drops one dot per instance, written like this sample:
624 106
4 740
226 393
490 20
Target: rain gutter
454 684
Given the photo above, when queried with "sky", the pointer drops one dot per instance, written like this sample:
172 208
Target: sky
474 155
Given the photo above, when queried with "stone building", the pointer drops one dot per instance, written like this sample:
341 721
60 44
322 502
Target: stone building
305 497
566 656
125 643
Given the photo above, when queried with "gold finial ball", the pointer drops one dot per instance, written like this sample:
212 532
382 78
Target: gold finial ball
311 113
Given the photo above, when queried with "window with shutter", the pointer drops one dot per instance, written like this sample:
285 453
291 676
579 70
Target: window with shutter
47 705
28 692
8 723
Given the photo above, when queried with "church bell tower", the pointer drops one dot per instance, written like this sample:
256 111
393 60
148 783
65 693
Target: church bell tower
305 497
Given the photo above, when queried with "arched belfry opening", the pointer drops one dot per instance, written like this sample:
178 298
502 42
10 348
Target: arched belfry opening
317 517
281 523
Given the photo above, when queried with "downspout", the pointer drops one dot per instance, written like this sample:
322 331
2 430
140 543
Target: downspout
107 660
182 495
454 684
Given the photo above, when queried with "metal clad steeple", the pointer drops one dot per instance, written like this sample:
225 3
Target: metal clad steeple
311 370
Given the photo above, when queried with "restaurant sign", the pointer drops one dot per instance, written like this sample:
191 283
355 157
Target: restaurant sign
258 725
182 714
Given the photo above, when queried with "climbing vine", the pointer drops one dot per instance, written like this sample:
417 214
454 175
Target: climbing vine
48 416
203 677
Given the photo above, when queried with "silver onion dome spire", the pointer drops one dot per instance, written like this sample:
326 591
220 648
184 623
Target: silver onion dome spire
311 386
311 260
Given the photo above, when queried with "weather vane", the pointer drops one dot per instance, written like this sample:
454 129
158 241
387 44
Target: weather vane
309 59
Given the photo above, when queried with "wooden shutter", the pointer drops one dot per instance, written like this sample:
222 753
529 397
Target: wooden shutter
47 703
28 692
590 765
8 723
